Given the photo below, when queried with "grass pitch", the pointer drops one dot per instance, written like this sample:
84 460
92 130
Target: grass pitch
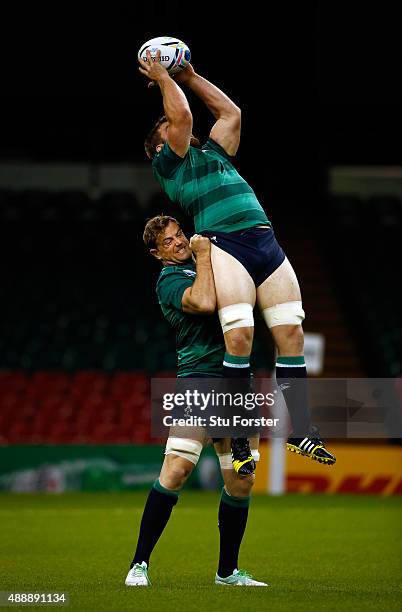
317 552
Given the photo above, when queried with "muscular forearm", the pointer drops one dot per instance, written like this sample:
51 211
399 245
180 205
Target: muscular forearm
174 101
202 292
217 102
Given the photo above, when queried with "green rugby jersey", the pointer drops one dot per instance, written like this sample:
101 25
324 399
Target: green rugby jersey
199 340
208 187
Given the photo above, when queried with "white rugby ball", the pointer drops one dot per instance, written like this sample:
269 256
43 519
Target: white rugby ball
175 54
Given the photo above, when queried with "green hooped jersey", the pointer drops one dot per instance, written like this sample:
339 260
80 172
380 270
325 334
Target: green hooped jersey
208 187
199 339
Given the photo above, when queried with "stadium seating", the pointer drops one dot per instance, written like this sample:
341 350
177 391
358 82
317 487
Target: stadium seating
85 407
363 248
81 330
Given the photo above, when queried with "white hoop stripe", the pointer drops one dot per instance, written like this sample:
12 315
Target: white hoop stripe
290 365
227 364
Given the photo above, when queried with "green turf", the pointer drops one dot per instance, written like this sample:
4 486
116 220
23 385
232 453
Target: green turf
318 553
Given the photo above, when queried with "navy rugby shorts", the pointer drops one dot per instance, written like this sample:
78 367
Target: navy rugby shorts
256 248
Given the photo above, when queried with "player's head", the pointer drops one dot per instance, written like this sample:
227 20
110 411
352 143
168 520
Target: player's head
165 240
159 135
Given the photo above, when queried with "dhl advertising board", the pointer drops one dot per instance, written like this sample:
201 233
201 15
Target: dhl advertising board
364 469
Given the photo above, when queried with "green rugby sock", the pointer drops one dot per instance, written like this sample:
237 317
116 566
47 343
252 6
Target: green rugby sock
236 371
235 366
291 374
157 511
232 517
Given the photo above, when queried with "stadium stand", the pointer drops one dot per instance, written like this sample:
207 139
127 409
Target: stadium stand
85 407
81 330
363 250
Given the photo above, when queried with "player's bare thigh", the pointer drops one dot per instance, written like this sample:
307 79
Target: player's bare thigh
198 434
233 283
282 286
279 288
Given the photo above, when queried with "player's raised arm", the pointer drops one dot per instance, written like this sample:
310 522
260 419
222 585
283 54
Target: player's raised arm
226 130
200 298
175 104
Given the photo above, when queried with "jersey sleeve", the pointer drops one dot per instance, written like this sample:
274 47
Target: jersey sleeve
170 288
214 146
167 162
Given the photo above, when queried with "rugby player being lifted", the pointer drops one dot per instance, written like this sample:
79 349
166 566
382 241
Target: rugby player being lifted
249 265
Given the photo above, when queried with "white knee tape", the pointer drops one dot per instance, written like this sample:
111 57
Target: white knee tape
225 459
183 447
289 313
236 315
256 454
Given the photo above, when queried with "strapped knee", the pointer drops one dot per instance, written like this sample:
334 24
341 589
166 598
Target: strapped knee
185 448
236 315
288 313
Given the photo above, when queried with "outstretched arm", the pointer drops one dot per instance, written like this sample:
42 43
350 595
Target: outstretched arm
226 130
175 104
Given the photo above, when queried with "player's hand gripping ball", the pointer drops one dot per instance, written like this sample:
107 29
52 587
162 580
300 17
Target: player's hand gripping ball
175 55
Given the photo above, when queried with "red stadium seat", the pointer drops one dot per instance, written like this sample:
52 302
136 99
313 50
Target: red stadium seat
86 407
15 381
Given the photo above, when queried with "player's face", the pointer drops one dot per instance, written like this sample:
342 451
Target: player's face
164 131
172 245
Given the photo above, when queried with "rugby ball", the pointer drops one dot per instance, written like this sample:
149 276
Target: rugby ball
175 54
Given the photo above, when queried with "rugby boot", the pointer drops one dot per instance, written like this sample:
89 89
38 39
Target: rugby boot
239 578
242 459
311 446
138 575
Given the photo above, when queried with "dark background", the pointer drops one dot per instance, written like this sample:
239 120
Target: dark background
317 84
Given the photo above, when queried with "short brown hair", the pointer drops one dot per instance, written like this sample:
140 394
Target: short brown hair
153 138
154 227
